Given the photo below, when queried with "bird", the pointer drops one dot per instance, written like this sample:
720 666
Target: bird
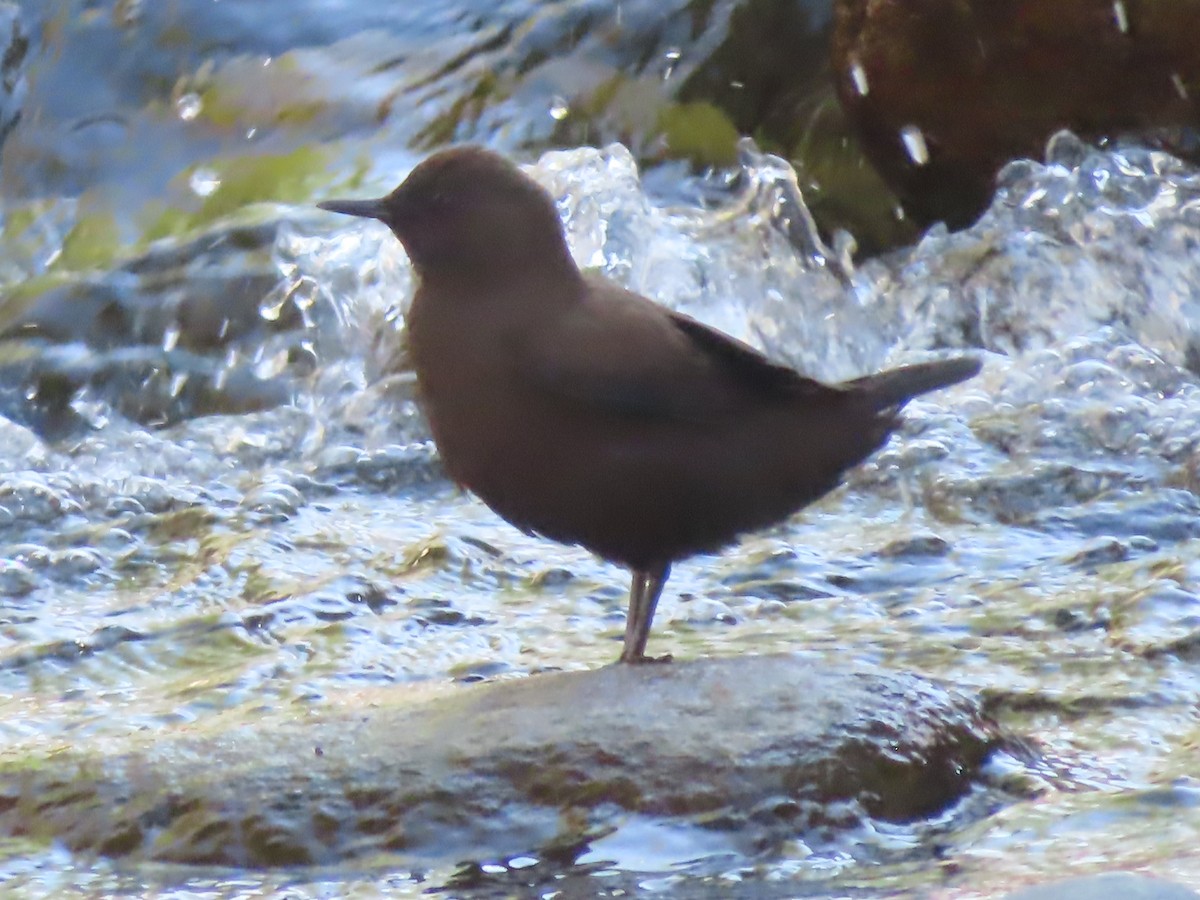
591 415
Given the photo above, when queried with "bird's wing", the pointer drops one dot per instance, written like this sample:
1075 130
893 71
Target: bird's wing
625 355
745 364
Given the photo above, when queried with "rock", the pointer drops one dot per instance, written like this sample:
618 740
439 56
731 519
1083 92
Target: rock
1110 886
942 93
200 295
759 748
175 332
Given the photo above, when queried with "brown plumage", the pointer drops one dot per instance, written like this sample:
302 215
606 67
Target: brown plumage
591 415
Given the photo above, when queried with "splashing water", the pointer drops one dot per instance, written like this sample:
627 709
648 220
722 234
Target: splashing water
1031 533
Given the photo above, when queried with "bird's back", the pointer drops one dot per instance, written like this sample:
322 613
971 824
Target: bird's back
642 435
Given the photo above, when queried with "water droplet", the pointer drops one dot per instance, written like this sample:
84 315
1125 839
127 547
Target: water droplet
1180 87
221 376
203 182
272 307
858 75
1121 16
559 109
189 105
1035 196
270 366
304 299
170 337
672 57
304 356
914 144
250 133
178 380
126 13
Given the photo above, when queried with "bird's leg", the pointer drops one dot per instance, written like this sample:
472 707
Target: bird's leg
644 592
633 616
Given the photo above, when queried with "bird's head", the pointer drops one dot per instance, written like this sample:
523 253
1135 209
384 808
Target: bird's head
468 209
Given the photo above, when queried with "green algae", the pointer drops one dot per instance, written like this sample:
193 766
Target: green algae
243 182
701 133
93 242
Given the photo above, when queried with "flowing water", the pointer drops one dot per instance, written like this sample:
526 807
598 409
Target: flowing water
1030 536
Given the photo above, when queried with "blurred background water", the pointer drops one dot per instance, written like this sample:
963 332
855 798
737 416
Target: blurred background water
217 497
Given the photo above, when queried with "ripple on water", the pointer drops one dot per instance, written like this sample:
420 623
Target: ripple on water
1030 534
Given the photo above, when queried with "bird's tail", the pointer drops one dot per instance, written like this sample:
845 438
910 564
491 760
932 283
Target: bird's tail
896 387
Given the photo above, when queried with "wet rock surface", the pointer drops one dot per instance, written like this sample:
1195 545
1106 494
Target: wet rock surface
761 750
184 329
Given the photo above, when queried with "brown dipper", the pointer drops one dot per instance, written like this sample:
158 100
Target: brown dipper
591 415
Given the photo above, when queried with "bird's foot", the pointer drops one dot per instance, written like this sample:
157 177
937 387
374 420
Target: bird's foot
643 659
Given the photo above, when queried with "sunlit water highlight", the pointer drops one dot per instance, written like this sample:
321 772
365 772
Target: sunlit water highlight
1032 535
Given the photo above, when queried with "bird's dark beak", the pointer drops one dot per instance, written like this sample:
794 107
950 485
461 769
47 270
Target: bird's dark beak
365 209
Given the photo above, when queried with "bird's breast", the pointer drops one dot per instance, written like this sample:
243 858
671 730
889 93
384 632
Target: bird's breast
470 392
